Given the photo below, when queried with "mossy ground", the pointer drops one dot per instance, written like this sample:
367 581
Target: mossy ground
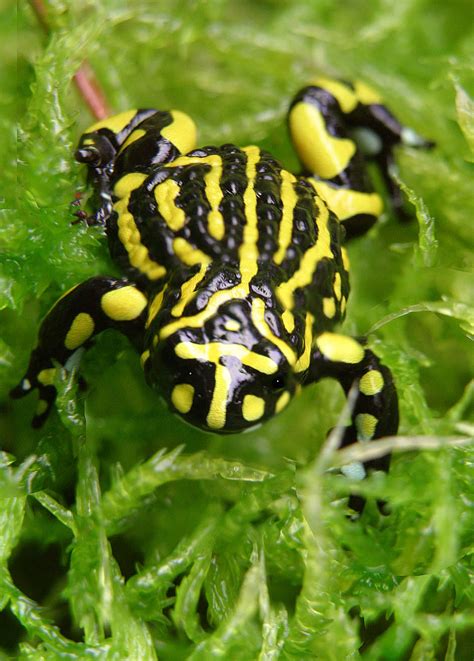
238 547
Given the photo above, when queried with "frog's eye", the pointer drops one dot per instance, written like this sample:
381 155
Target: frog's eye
279 381
89 155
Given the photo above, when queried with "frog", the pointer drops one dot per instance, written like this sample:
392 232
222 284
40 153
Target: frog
235 272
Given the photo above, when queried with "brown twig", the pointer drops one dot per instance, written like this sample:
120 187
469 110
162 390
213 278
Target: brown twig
84 79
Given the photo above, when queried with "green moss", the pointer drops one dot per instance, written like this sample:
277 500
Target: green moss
238 547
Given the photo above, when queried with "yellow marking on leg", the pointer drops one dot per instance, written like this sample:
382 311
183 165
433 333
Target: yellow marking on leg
253 408
123 304
365 425
144 357
366 95
188 289
181 132
182 397
248 252
288 321
116 123
128 233
340 348
188 254
343 304
371 383
329 307
304 360
346 203
155 307
337 286
41 407
133 137
341 92
80 331
288 199
165 196
46 377
258 318
345 259
282 401
319 151
310 260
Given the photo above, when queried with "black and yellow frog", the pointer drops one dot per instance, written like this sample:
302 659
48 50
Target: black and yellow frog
235 273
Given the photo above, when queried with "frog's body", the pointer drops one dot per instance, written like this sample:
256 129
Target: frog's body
235 273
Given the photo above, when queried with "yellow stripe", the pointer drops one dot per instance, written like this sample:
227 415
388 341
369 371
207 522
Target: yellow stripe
134 135
188 290
365 94
309 262
165 196
181 132
248 252
304 360
258 318
288 199
345 202
214 195
342 93
188 254
319 151
155 306
116 123
128 232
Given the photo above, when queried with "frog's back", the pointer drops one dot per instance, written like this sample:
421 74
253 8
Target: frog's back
232 207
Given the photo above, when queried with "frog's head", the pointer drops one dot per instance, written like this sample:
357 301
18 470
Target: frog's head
229 370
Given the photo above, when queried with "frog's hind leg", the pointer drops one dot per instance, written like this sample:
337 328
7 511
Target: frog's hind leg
375 410
336 127
79 315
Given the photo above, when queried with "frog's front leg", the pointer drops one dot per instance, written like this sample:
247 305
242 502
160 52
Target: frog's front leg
83 312
375 411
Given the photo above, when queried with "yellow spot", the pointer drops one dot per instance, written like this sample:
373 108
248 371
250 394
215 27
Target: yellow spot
366 94
345 202
144 357
340 348
181 132
188 254
282 401
337 286
319 151
81 329
288 199
182 397
41 407
232 325
218 408
345 259
123 304
329 307
303 361
116 123
128 232
258 318
343 304
341 92
134 135
165 196
305 273
155 306
288 321
371 383
366 424
253 407
46 377
188 290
